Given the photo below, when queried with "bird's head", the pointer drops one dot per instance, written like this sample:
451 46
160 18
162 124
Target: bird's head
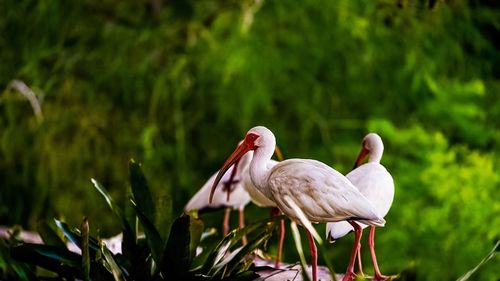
371 143
255 138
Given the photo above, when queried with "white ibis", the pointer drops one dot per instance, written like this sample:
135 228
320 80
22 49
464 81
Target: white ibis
232 195
376 184
322 193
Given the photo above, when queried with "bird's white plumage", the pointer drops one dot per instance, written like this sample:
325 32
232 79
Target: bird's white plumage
256 196
323 194
239 196
373 181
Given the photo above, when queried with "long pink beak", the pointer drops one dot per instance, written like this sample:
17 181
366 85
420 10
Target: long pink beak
361 157
235 156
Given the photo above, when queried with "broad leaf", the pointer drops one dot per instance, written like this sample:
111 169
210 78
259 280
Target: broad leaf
177 256
164 215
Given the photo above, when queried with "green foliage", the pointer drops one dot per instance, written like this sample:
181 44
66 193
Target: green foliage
176 85
152 259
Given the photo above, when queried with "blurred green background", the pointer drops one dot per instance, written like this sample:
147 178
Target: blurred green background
175 85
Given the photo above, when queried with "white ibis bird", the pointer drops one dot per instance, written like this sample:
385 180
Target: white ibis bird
376 184
322 193
231 195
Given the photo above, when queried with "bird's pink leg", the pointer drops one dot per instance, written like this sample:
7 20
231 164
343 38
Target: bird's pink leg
358 231
242 225
225 224
314 256
280 244
371 244
274 213
360 265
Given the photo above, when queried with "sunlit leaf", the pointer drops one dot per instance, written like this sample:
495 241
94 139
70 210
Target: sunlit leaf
115 269
300 250
196 230
49 236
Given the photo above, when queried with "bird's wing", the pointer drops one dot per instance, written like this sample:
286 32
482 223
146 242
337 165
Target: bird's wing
375 183
237 199
324 194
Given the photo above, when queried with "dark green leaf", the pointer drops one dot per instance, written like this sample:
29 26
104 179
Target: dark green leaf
72 236
140 191
49 236
53 258
129 236
164 215
75 237
153 237
177 258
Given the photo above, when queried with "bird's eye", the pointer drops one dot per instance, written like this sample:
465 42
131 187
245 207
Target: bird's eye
250 139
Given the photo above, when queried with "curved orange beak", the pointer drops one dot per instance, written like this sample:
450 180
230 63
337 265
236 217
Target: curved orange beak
361 157
235 157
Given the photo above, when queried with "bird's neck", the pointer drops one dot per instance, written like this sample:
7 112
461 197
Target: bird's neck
259 171
376 154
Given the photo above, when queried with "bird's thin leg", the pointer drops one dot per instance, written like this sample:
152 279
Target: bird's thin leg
371 244
242 225
358 231
314 256
225 224
274 213
280 243
360 265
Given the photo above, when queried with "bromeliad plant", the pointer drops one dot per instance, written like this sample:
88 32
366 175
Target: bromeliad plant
147 256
